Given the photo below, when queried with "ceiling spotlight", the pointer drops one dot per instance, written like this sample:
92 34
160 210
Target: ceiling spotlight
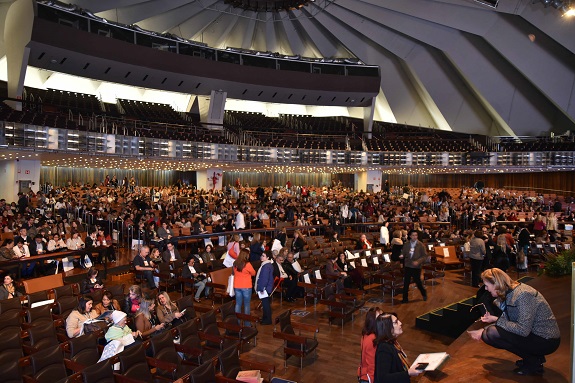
557 3
546 3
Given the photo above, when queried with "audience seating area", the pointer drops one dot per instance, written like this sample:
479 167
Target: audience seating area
71 110
150 111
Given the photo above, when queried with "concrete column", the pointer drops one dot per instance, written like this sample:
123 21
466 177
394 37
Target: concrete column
360 181
216 108
17 35
368 120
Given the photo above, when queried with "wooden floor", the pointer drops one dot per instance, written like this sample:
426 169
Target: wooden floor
339 349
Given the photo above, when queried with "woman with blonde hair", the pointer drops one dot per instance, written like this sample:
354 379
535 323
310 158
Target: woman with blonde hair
145 320
167 311
526 326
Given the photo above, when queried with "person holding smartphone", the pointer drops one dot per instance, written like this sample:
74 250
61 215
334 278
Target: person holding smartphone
391 363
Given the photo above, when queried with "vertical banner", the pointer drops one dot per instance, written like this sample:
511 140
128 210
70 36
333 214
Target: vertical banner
374 179
214 179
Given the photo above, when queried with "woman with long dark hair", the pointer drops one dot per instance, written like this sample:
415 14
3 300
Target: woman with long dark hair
391 363
366 369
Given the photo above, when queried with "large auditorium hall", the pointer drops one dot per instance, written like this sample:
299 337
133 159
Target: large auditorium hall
164 160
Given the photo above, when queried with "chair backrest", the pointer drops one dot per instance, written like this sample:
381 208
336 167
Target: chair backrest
40 314
11 372
10 304
229 362
43 283
63 291
133 363
96 295
84 349
162 346
329 291
205 373
11 346
11 319
38 296
228 311
117 291
48 365
98 373
221 277
188 332
42 337
284 321
208 322
65 305
187 303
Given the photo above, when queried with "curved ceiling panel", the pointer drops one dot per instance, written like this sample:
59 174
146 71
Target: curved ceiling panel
449 64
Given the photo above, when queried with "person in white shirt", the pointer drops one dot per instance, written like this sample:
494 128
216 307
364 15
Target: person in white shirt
56 244
384 234
75 242
22 251
240 220
189 271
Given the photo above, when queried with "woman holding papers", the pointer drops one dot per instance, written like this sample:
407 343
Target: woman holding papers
391 365
76 319
527 326
264 287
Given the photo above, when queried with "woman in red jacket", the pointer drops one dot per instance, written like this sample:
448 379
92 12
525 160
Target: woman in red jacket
366 368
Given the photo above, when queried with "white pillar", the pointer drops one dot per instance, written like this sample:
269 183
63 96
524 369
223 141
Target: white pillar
17 35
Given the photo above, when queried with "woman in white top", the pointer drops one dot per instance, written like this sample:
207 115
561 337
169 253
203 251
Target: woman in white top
22 251
75 242
56 243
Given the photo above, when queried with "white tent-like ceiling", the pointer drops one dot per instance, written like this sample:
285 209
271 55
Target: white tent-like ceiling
449 64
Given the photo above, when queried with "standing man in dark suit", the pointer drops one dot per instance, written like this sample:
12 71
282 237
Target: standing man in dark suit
414 254
291 281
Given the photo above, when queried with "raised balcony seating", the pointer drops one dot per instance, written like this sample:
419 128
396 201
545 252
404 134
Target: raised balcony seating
151 111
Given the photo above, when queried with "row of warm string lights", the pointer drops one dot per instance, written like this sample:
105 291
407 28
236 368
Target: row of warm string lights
145 163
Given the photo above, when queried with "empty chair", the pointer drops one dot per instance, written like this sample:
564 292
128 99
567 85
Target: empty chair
48 365
64 306
7 305
65 291
39 296
84 350
39 316
164 349
42 337
11 319
187 303
231 364
296 345
133 364
11 372
209 326
10 346
98 373
190 340
233 326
